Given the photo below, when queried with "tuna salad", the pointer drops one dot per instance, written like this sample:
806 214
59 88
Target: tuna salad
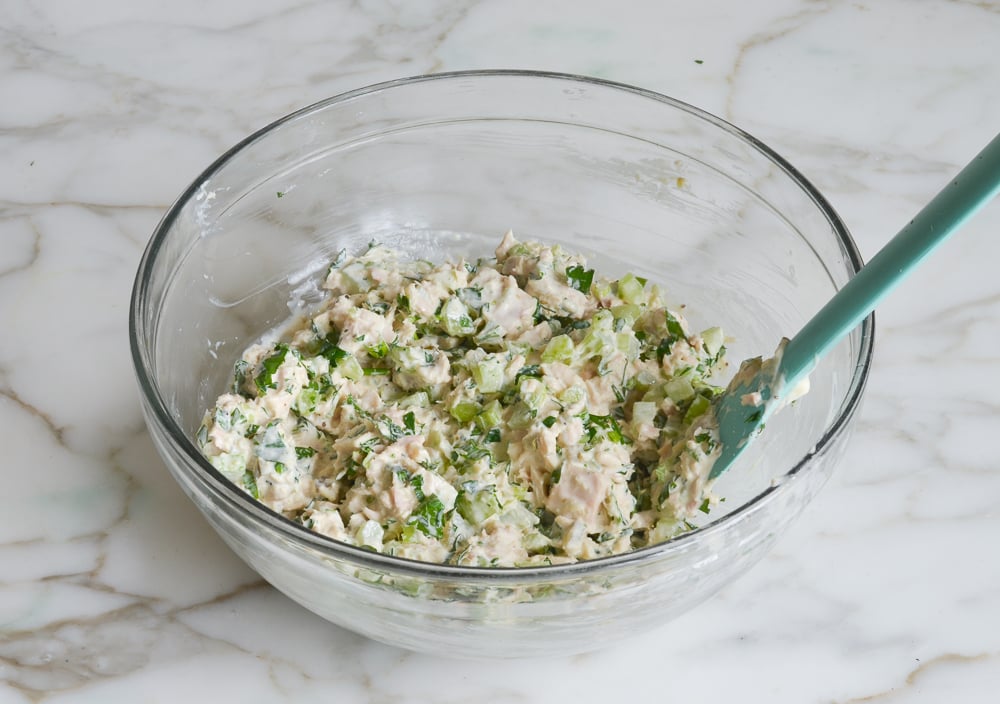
512 411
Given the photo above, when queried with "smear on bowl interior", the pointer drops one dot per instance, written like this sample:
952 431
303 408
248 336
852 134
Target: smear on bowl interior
514 411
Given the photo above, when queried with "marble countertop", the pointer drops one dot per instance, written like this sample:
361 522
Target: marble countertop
113 588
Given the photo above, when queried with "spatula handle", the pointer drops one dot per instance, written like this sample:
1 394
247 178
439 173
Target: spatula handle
970 190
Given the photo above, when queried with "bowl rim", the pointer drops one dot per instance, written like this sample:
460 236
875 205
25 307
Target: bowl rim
222 489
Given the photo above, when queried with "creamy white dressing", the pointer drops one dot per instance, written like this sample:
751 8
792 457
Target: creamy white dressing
520 410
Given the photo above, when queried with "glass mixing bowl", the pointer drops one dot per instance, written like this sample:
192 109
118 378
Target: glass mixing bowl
441 166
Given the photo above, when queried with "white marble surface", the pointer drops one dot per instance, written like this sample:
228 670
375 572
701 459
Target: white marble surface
112 587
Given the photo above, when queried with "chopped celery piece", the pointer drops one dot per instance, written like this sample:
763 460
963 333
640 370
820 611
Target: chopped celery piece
350 368
464 411
679 389
643 412
416 400
572 395
601 290
559 349
488 374
644 380
370 535
713 339
697 408
522 416
628 313
231 464
455 318
534 394
603 321
626 342
355 277
476 505
630 289
491 416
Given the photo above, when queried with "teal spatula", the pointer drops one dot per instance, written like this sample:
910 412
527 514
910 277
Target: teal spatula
760 387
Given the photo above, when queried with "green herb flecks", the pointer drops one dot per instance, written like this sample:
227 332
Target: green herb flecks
271 446
468 452
531 371
265 378
250 484
412 480
378 351
429 517
706 440
674 327
607 426
240 370
579 278
390 431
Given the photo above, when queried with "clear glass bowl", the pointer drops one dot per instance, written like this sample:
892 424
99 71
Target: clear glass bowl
441 166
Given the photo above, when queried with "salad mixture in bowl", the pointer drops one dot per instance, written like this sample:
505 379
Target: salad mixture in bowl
508 412
470 450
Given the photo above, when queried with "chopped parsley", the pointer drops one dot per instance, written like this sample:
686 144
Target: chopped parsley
595 426
531 371
389 430
674 327
579 278
428 518
378 351
265 379
250 484
240 370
